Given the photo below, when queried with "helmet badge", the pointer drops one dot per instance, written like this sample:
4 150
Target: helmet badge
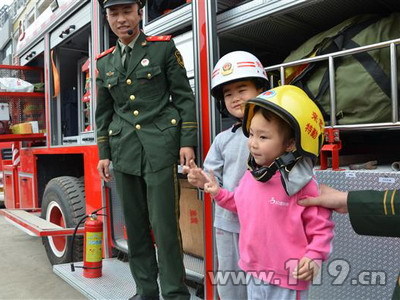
227 69
268 94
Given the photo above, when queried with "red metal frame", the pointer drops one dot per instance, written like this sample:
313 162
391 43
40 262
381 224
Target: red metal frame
22 137
37 231
93 187
19 67
48 89
334 144
22 94
11 188
204 80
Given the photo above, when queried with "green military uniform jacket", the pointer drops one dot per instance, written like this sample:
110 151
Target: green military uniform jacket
147 110
376 213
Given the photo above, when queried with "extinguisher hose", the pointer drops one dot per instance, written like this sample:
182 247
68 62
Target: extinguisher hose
73 240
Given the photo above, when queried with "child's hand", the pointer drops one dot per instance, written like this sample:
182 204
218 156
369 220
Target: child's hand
307 269
195 176
211 185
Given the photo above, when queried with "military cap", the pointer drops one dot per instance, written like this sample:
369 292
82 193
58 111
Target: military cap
109 3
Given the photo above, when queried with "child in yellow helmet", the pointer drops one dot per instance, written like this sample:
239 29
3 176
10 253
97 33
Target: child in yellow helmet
281 244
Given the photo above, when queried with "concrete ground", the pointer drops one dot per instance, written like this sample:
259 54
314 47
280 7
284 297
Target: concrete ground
25 272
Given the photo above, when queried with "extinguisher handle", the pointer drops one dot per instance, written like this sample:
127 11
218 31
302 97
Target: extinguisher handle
97 210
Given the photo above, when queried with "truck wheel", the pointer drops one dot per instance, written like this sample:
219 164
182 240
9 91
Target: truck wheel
64 205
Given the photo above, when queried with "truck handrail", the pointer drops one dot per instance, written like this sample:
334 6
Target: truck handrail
330 57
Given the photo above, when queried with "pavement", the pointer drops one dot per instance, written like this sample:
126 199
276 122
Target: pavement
25 272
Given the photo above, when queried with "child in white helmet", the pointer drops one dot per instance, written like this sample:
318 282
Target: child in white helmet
281 243
237 77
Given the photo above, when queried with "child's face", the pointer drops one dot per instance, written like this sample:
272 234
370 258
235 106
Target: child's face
236 94
266 141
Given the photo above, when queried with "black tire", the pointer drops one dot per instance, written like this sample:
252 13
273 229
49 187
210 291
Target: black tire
64 204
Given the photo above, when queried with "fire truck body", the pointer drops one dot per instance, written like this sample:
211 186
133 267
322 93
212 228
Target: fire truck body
57 178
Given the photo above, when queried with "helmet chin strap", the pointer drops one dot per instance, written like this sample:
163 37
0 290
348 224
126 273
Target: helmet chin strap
260 173
284 163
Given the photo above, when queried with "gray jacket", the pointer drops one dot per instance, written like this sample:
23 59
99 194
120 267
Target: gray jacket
227 157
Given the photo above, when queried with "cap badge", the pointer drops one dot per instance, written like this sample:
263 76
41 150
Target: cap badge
227 69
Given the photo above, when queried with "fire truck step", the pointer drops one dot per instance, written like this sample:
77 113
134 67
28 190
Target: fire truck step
32 224
116 282
194 267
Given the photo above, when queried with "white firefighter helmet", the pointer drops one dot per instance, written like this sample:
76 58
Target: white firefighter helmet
234 66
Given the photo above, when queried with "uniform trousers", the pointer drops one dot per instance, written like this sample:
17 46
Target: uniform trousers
151 201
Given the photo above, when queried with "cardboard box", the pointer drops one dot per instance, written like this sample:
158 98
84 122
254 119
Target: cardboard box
21 128
191 220
27 127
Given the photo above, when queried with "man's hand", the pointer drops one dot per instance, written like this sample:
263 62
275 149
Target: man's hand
307 269
104 169
195 175
185 155
329 198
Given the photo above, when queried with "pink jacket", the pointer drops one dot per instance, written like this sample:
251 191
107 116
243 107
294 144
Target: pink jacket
276 232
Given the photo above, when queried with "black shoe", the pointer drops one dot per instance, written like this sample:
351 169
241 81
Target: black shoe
138 297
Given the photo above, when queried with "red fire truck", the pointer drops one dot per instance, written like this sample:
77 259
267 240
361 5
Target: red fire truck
50 176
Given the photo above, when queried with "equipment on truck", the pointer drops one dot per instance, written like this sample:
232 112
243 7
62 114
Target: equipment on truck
361 98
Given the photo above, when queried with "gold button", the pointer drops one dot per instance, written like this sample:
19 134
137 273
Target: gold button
136 112
110 132
128 82
173 122
148 75
132 97
109 85
138 126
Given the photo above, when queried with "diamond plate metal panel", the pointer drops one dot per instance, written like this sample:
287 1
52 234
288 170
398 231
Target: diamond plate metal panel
117 216
353 270
349 180
116 282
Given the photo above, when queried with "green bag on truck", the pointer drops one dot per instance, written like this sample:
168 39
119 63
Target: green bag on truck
363 86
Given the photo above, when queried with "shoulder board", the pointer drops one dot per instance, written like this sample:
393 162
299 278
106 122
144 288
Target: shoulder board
104 53
159 38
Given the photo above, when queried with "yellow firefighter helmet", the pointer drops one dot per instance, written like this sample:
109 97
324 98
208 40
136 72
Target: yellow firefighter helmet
294 106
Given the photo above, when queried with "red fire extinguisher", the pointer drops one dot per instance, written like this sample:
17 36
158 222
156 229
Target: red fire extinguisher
92 246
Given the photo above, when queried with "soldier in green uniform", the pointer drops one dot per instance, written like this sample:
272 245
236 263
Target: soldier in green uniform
371 212
146 122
